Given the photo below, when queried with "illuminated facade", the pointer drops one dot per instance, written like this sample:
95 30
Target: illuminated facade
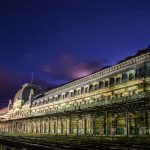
110 102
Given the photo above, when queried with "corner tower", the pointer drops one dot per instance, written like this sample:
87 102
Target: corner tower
24 98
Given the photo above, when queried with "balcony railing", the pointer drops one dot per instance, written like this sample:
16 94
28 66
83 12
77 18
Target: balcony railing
94 104
105 102
117 100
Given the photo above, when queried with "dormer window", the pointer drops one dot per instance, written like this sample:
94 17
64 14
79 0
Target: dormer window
101 84
71 94
131 76
56 98
78 91
124 77
50 99
63 96
118 80
112 81
86 89
106 83
96 87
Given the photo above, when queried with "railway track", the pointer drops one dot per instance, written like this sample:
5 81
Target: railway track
26 143
18 144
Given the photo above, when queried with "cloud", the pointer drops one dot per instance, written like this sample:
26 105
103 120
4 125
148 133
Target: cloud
43 84
64 69
68 68
11 82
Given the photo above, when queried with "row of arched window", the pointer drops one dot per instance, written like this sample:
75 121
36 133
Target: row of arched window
108 82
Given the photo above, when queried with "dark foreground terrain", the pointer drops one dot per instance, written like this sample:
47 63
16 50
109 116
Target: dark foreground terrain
20 142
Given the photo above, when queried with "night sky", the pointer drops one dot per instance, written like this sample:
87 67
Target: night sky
61 40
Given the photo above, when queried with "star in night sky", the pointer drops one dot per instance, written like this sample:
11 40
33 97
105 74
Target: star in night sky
62 40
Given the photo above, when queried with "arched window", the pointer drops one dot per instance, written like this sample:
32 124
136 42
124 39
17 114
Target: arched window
101 85
131 76
118 80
